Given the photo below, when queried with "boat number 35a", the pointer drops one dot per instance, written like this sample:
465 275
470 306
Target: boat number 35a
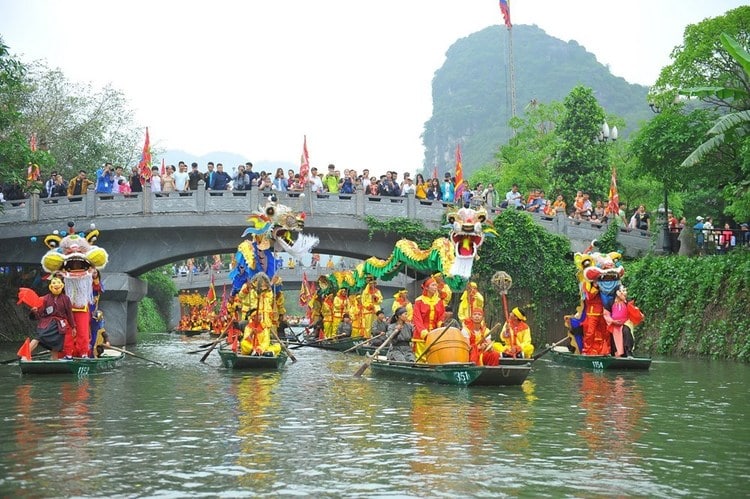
462 376
597 364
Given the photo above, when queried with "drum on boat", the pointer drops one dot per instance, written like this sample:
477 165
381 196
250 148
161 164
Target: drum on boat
450 346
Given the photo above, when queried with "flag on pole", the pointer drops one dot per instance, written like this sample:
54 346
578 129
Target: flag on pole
144 166
304 291
304 165
32 142
459 177
613 205
434 171
505 9
163 170
33 173
211 295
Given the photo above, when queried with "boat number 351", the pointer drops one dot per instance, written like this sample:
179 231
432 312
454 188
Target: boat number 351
83 370
462 376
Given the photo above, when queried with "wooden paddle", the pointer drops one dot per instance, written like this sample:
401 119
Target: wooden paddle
122 350
364 343
33 356
547 349
283 345
368 361
216 342
446 328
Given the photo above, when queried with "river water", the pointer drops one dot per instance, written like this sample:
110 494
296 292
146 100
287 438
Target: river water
313 430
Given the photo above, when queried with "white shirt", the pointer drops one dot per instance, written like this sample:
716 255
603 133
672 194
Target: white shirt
181 180
316 185
155 183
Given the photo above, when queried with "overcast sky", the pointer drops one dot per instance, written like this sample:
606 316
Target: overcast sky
254 76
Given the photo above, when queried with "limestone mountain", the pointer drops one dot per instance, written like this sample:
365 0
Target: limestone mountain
470 92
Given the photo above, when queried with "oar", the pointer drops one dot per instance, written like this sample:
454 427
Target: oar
368 361
547 349
134 355
34 356
436 340
283 345
363 344
216 342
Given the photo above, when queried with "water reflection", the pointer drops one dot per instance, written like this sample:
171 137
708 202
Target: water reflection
613 411
256 414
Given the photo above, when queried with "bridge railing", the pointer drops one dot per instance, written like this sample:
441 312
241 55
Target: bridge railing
202 201
93 204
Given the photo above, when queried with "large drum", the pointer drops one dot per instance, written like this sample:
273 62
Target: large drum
443 348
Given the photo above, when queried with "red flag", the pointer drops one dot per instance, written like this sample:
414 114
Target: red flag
32 142
434 171
459 176
163 168
304 166
505 9
144 166
613 206
25 351
304 291
211 295
32 173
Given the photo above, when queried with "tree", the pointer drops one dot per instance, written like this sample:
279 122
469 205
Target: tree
702 61
581 162
82 127
15 153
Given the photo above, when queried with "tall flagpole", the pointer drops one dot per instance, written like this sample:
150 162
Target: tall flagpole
511 73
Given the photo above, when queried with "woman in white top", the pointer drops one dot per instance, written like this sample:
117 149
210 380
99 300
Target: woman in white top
155 180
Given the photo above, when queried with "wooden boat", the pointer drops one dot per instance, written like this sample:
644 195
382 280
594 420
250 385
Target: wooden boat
503 375
459 373
237 361
78 366
561 355
339 344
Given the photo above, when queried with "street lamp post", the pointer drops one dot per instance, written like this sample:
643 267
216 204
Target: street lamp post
667 242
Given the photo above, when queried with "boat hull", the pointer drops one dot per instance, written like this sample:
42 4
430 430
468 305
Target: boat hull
338 345
601 362
503 375
459 374
79 366
233 360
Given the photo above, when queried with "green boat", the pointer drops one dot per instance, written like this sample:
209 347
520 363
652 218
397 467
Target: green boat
502 375
236 361
561 355
339 345
460 374
81 367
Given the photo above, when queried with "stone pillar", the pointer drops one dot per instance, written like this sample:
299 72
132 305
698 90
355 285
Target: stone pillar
33 206
119 302
200 197
359 200
147 199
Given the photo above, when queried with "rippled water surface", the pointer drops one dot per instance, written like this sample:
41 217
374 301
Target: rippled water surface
312 429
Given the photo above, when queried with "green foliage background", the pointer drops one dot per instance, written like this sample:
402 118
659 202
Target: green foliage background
693 306
155 310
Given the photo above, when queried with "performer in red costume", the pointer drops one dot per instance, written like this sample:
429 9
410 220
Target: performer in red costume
595 335
429 312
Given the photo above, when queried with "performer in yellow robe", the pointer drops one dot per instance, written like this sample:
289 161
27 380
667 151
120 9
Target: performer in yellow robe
357 316
470 299
256 339
326 311
401 299
371 299
340 307
515 337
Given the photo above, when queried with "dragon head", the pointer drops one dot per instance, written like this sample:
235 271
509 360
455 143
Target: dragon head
467 234
73 254
279 226
602 269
